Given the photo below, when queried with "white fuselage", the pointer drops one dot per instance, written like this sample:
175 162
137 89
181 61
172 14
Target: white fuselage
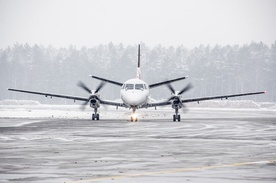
135 93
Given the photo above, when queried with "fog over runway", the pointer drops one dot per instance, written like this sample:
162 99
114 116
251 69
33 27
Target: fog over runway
42 144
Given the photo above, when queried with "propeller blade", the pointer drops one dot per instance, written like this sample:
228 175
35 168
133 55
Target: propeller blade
83 86
184 108
99 87
84 104
187 88
171 88
171 98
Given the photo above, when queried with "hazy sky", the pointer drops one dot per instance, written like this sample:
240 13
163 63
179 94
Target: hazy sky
166 22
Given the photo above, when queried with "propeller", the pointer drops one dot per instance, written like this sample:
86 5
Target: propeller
176 95
99 87
92 94
83 86
185 89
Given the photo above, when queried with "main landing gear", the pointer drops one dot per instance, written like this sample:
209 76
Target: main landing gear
95 115
176 116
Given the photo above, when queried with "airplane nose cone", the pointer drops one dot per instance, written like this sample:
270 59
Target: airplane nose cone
134 99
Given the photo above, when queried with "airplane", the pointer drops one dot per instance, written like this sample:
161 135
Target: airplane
135 95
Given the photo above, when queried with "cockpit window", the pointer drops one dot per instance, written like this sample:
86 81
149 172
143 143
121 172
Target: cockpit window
132 86
129 86
139 87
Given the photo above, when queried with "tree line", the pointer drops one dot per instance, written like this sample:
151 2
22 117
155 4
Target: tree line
212 70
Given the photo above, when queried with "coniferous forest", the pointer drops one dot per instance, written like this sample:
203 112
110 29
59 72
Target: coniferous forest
212 70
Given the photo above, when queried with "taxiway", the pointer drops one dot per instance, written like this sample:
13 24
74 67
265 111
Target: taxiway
206 146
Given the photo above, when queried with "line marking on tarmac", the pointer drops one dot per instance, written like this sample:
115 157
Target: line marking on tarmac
173 171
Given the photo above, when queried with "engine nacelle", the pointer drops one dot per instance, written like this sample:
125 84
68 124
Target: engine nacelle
94 103
176 103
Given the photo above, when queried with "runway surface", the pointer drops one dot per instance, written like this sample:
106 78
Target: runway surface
206 146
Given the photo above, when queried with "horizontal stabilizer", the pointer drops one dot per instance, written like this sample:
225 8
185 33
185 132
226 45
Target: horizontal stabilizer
108 81
166 82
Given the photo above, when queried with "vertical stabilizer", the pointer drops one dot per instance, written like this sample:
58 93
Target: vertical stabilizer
138 68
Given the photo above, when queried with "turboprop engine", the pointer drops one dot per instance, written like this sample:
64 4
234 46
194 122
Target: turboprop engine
176 103
176 99
94 103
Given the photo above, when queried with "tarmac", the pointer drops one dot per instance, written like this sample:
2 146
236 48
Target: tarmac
206 146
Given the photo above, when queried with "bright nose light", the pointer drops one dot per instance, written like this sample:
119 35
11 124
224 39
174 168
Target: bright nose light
134 117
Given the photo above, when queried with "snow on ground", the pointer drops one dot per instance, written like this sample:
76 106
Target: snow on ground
33 109
241 104
19 102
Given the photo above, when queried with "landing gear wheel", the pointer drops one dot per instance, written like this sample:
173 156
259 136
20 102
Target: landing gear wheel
93 117
178 117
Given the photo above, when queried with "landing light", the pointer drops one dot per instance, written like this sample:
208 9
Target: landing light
134 117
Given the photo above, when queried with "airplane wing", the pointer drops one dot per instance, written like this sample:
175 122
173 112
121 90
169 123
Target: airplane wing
155 104
219 97
50 94
104 102
113 103
163 103
108 81
166 82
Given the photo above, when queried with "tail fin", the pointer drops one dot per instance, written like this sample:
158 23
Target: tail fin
138 68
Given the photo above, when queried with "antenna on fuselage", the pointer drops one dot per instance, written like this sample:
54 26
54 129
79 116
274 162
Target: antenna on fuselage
138 68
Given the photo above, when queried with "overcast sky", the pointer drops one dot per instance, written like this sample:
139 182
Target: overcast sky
166 22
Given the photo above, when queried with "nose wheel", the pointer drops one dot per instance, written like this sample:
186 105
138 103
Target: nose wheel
176 117
95 116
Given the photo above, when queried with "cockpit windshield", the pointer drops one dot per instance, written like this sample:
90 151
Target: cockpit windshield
133 86
139 87
129 86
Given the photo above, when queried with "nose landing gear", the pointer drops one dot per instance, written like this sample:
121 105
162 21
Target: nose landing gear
133 117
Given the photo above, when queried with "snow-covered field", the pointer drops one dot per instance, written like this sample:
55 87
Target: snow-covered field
33 109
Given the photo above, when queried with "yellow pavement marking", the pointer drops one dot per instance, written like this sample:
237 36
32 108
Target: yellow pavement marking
173 171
